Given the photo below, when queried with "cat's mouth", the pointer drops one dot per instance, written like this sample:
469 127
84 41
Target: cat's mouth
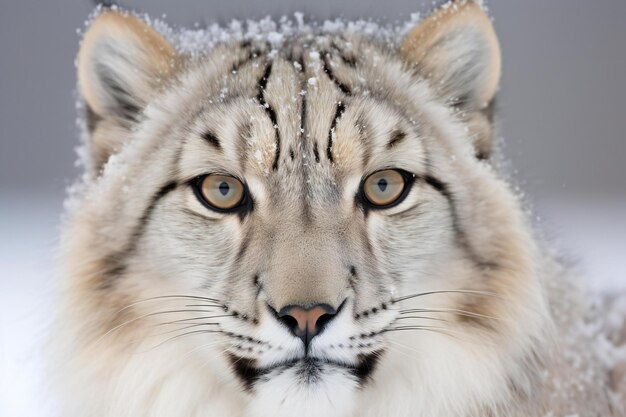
307 368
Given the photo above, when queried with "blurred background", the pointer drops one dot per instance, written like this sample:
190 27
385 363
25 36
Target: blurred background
561 106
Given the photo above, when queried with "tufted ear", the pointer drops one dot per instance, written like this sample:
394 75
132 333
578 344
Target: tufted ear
122 63
457 51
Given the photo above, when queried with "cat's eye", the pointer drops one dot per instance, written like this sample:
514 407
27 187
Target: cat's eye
385 188
220 192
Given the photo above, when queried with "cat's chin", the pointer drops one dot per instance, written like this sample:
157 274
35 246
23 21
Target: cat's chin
327 389
308 368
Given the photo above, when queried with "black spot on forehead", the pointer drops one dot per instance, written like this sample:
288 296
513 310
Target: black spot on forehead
212 139
397 136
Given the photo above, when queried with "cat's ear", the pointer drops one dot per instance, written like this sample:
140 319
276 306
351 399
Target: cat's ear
122 63
457 51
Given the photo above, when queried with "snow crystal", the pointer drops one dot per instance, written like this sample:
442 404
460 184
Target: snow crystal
312 81
299 16
275 38
333 26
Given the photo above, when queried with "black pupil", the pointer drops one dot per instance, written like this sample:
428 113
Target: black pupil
224 188
382 184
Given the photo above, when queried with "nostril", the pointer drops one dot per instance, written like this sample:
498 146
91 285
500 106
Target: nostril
289 321
323 321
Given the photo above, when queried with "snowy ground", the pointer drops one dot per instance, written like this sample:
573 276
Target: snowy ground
590 231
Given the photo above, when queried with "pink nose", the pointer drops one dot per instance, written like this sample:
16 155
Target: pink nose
306 323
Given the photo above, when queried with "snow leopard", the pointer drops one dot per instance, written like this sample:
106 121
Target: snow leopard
310 223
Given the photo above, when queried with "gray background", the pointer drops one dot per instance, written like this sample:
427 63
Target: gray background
562 98
562 107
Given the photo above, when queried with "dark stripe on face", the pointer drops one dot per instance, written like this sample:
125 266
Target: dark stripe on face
251 54
269 110
443 189
338 113
365 238
316 153
439 186
348 60
116 263
243 248
344 89
396 137
211 139
304 87
365 132
145 218
353 279
303 114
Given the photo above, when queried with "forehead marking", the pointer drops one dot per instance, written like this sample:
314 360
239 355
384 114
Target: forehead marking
396 137
284 92
341 108
304 90
349 60
326 67
212 140
269 111
344 88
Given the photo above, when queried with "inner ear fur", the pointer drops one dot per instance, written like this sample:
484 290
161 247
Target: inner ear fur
456 50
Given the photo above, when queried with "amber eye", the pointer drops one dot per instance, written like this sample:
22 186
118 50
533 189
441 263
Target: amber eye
384 188
221 192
